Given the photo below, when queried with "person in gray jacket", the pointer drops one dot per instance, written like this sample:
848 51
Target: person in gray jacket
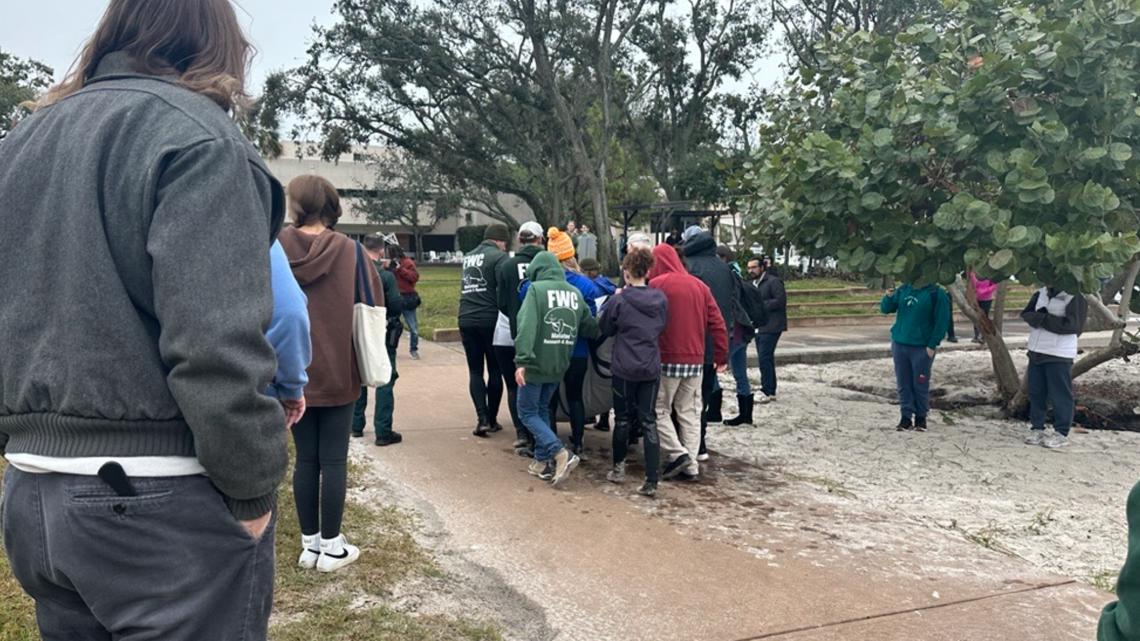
765 278
144 450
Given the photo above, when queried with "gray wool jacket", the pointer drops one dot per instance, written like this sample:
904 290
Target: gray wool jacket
136 292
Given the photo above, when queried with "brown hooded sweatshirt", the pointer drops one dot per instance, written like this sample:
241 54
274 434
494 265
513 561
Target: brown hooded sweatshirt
325 267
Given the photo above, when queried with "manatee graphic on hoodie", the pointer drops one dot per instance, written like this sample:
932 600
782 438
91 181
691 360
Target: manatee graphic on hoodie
552 317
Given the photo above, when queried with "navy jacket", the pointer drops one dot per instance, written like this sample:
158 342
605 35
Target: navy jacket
636 317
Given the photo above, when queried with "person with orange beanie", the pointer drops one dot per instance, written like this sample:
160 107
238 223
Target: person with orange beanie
560 244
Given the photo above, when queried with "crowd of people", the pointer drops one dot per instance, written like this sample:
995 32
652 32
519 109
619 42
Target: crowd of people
164 323
532 320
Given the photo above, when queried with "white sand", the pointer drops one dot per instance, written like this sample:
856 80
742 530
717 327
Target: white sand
969 476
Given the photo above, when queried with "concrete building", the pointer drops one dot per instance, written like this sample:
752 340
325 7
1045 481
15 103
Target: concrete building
353 175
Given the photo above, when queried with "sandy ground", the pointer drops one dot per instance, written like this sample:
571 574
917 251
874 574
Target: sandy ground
969 476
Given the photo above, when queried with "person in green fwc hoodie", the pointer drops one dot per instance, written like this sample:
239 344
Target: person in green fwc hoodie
923 317
551 318
1120 620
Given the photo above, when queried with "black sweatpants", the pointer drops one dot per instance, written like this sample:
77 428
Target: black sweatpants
486 394
573 382
638 400
321 473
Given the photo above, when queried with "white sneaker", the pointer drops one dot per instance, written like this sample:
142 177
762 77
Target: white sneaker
1055 440
1036 437
764 399
310 551
336 553
703 457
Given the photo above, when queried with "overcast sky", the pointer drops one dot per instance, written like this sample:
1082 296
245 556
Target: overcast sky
52 31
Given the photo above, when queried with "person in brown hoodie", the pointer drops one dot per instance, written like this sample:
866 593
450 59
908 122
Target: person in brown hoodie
325 264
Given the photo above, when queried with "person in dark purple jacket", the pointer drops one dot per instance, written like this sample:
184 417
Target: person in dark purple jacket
636 316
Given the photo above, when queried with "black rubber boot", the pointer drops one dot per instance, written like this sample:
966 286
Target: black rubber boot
715 401
745 417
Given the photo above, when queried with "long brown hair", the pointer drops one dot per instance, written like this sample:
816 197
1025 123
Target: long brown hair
200 41
312 198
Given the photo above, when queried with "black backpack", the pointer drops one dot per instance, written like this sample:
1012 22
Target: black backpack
753 304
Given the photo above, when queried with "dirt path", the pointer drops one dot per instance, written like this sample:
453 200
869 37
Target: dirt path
748 553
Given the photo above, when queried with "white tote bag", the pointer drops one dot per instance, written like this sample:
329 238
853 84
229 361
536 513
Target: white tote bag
369 330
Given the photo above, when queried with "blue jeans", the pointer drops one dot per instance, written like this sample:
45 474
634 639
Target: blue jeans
912 375
413 328
738 361
766 354
534 412
1051 383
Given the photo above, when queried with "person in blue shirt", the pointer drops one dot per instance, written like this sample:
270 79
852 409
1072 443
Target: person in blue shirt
592 269
289 335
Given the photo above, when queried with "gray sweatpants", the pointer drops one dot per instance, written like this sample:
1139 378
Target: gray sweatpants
169 564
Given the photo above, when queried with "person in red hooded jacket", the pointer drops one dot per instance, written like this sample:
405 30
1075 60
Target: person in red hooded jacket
693 315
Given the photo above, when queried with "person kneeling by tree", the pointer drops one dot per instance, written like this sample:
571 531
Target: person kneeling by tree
636 316
552 317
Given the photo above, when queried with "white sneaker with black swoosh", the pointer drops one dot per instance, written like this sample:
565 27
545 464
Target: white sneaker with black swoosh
336 553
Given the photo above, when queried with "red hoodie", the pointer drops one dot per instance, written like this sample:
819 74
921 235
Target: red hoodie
406 276
692 312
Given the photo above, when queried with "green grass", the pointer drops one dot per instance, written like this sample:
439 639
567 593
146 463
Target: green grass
311 605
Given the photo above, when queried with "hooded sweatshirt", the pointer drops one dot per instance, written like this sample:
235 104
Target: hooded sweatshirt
635 317
552 317
700 256
693 313
325 267
511 273
923 315
478 299
407 276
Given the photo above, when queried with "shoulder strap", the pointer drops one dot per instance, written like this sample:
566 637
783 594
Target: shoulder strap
362 278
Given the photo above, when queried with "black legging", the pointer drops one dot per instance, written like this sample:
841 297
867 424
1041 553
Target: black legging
573 382
639 402
505 357
708 386
486 395
321 471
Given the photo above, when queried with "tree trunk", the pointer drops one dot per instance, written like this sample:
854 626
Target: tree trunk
1117 347
1114 286
998 311
1009 382
418 243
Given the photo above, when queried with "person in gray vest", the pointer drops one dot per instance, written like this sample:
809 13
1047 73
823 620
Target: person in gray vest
1055 319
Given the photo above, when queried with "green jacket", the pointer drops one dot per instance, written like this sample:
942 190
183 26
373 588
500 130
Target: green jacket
923 315
478 303
551 318
1121 619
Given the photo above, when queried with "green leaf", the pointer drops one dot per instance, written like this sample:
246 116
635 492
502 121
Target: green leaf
1018 235
873 200
1001 259
882 137
1119 152
1093 154
1124 17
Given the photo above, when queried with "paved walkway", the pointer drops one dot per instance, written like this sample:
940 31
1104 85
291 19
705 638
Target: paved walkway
604 563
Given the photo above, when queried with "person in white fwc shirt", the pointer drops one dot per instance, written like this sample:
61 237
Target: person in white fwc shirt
1056 319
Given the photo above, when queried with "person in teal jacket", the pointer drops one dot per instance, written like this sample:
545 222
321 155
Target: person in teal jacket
922 319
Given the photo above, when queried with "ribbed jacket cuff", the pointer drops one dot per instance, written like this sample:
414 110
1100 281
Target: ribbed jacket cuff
249 509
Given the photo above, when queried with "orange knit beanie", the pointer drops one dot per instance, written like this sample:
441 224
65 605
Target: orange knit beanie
558 243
